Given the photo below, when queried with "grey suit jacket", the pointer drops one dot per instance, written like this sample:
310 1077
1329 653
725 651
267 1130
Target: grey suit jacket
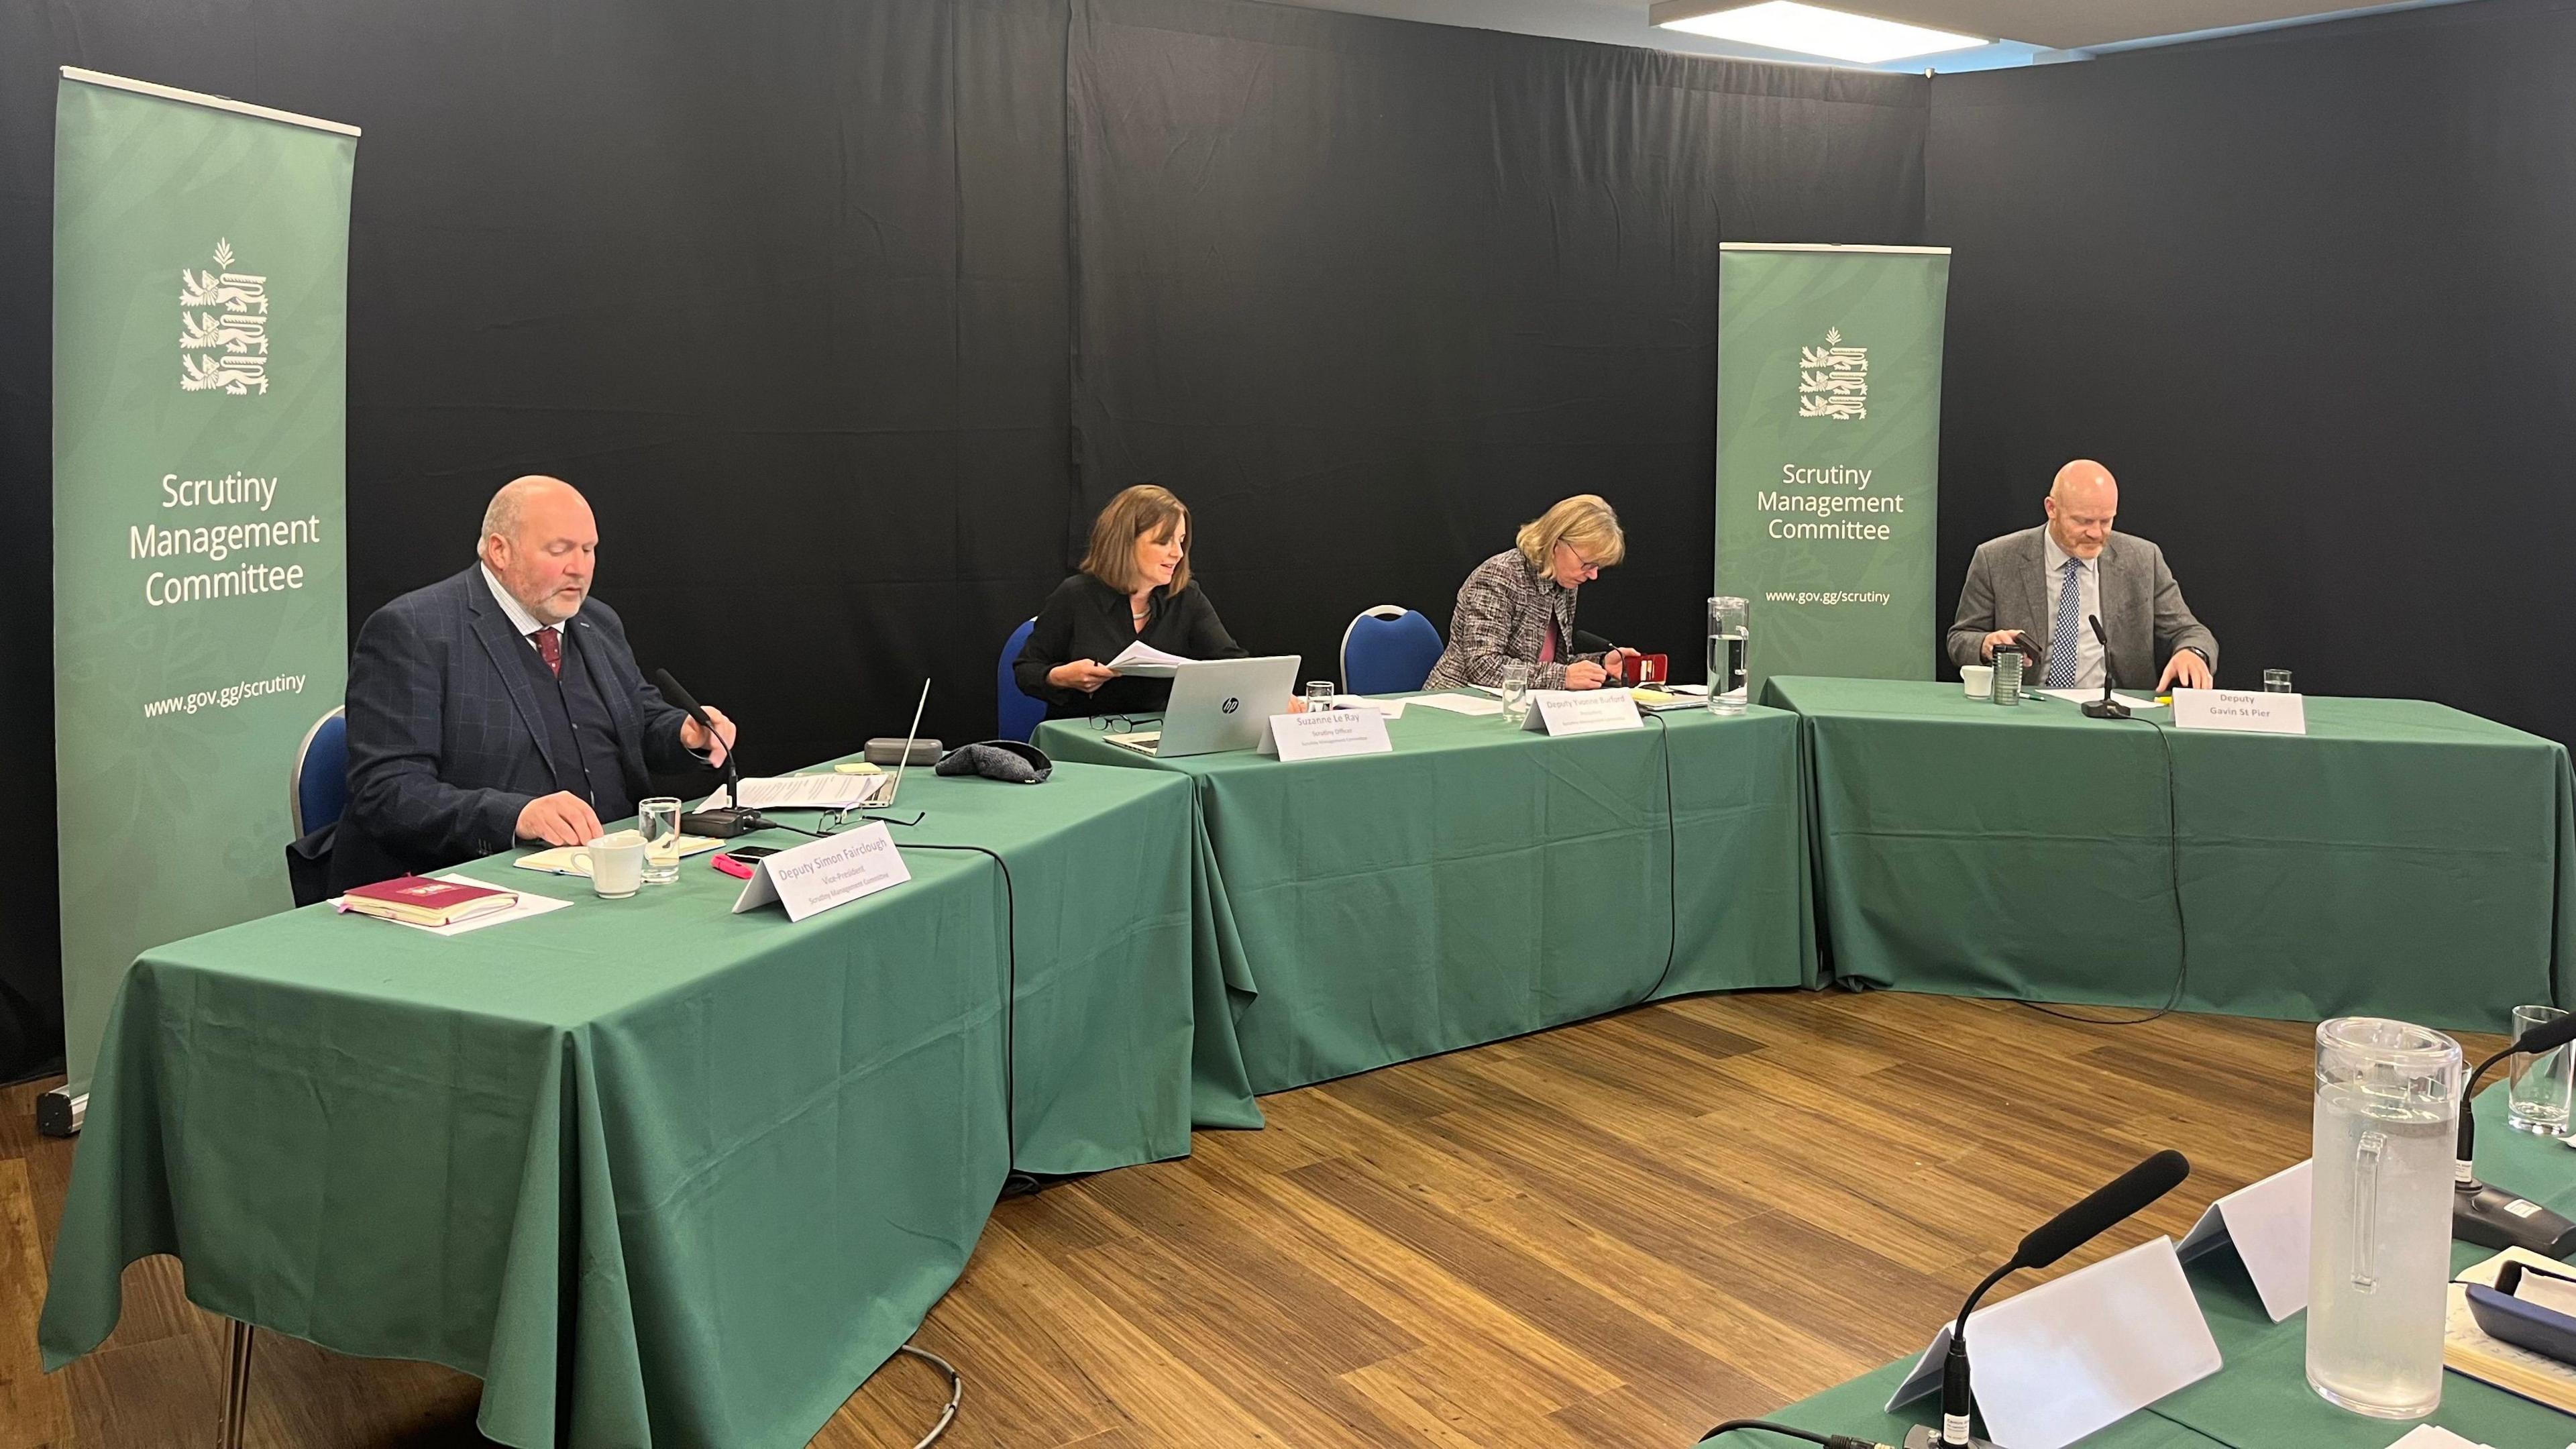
2142 607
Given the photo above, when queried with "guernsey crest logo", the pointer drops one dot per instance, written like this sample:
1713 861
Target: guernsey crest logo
1833 380
223 328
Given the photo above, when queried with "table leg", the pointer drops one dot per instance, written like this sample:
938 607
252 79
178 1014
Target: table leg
236 1383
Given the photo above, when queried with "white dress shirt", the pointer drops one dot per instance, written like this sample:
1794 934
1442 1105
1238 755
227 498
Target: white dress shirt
2088 575
520 619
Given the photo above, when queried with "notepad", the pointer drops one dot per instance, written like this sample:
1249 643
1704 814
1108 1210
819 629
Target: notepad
561 860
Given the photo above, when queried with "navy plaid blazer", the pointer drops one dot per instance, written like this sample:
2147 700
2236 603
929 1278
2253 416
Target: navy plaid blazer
445 742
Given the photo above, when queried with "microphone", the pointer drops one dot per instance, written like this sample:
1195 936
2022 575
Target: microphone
2122 1197
2489 1216
2106 707
714 824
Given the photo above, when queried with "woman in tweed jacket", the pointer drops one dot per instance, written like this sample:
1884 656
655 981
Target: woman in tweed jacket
1519 605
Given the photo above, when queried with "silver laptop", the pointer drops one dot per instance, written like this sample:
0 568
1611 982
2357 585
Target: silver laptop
1218 705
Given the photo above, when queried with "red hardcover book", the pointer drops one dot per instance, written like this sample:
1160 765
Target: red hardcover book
419 901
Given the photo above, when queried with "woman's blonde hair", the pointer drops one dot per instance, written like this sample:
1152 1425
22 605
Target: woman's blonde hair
1144 509
1585 521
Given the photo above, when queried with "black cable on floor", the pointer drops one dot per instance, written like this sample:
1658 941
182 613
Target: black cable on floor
2182 930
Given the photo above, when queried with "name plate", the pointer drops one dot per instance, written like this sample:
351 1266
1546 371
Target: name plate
1581 711
2267 1224
1325 735
2239 709
2079 1353
812 878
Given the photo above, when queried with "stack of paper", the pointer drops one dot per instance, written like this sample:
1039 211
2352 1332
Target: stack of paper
1147 662
806 792
2466 1348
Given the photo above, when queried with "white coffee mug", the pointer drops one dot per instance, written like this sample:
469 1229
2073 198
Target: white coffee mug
616 864
1978 680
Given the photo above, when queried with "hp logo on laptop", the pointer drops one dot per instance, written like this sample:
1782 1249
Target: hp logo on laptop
1231 705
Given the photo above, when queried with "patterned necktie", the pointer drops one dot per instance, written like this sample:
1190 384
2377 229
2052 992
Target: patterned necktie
550 647
2061 640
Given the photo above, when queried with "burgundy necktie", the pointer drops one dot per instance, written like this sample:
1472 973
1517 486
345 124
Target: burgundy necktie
550 648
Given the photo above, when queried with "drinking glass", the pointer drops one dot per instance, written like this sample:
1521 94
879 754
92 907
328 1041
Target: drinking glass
2276 681
658 821
2541 1084
1319 695
1516 700
1730 640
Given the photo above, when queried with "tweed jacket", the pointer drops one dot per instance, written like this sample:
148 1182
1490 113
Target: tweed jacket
1504 611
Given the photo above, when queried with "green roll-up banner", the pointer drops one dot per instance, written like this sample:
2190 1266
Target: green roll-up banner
201 263
1828 453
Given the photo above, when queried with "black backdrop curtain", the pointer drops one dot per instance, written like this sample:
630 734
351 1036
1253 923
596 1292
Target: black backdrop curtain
2306 294
1372 294
790 291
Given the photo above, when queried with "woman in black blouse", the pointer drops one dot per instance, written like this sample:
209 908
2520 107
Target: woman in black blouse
1134 586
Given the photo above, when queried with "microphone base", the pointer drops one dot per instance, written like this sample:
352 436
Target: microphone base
2493 1218
722 824
2105 709
1924 1436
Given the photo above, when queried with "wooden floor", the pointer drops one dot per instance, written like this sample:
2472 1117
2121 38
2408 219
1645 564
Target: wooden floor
1609 1234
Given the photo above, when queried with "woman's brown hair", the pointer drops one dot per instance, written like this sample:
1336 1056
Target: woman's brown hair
1144 509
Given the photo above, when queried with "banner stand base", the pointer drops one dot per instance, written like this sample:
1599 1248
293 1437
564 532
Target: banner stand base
59 1113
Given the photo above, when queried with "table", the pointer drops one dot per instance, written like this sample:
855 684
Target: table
2403 859
2261 1398
1481 882
653 1171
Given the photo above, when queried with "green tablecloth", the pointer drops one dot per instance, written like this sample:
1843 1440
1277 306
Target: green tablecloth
2402 859
1481 882
2261 1398
653 1171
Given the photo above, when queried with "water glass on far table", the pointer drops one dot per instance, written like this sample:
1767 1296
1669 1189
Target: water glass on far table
2541 1084
1319 695
658 821
2276 681
1515 687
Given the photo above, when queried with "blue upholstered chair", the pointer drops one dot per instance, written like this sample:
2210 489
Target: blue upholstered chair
319 787
1021 714
1387 650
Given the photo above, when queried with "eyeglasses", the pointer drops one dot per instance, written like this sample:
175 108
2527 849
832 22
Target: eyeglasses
1123 723
1582 565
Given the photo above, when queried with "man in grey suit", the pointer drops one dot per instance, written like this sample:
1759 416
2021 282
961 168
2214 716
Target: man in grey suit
2043 583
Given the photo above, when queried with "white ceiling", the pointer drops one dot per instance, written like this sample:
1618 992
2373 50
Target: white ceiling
2026 30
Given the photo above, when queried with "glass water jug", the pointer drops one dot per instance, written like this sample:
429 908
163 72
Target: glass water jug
2379 1249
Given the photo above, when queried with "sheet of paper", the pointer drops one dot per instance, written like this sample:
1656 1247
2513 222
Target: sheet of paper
807 792
561 861
1466 704
529 905
1391 708
2087 696
1147 662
